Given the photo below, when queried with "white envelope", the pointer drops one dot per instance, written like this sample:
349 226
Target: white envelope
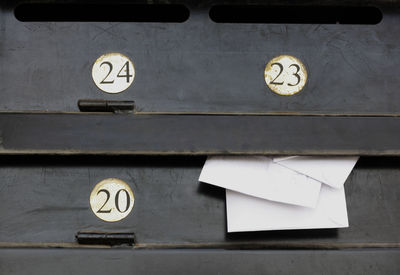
332 171
247 213
260 177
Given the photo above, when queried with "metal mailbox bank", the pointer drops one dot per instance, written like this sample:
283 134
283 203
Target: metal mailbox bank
108 110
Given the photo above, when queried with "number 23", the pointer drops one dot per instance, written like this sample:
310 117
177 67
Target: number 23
296 74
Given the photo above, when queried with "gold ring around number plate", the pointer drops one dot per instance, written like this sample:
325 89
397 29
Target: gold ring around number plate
112 200
285 75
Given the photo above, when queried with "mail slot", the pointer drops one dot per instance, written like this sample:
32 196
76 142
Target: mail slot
109 111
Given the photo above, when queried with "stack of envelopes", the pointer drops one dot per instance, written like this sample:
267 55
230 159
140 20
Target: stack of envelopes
264 193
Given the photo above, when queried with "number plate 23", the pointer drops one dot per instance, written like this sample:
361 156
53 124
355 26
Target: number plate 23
112 200
285 75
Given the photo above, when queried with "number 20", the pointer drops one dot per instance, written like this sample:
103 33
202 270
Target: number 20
128 201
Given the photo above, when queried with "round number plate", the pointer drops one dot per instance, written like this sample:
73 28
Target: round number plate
112 200
113 73
285 75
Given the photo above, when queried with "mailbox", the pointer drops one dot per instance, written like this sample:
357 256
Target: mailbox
125 100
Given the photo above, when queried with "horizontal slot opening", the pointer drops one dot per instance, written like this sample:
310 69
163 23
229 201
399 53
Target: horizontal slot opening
188 161
60 161
101 13
295 14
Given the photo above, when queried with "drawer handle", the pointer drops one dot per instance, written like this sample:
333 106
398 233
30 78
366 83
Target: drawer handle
105 238
113 106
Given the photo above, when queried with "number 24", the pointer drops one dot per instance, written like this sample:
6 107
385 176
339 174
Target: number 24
110 66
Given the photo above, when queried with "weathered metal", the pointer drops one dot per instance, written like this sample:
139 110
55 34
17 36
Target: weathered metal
199 90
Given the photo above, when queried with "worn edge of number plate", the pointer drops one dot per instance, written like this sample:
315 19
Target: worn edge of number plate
110 182
268 77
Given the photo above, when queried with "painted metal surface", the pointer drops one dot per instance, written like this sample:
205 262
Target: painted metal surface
203 66
199 90
44 199
43 262
42 133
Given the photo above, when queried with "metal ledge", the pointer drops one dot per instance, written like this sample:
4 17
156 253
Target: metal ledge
198 134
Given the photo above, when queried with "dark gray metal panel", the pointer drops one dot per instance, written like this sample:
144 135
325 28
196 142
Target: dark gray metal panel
49 262
47 200
201 66
198 134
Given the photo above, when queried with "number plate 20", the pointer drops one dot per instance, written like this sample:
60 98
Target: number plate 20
112 200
